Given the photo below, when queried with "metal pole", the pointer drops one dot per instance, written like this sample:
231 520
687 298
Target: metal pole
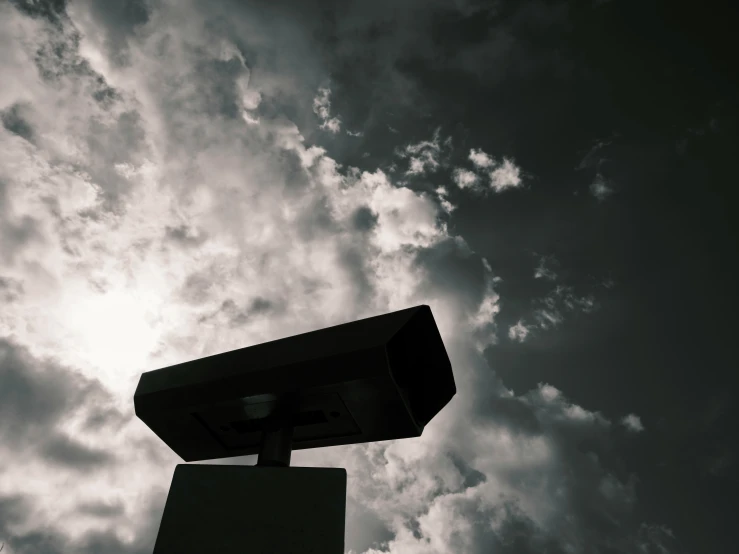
277 434
276 445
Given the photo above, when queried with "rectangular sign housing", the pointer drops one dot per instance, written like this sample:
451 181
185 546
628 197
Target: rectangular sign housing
256 510
374 379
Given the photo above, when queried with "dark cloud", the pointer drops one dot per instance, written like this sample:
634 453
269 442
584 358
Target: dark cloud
35 397
354 260
600 510
297 179
50 10
121 21
38 542
510 412
14 510
70 453
95 542
101 509
518 535
260 305
10 289
216 89
196 288
471 476
16 120
236 315
430 49
110 145
107 542
364 219
101 417
98 542
451 266
15 234
58 55
185 235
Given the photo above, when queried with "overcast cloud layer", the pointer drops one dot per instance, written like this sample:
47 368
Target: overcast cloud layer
182 178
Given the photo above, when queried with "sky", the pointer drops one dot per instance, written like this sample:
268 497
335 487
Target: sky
553 178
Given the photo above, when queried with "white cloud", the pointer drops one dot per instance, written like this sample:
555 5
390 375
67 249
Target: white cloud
543 269
250 119
322 108
424 157
600 188
518 332
250 98
500 177
483 320
465 179
333 125
322 103
446 205
480 159
505 176
633 423
548 318
551 309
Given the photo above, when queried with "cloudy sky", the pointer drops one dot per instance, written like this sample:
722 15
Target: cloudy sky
181 178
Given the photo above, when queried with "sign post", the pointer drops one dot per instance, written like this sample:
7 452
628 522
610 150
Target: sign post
374 379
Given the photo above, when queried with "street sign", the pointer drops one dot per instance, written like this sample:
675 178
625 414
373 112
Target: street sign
374 379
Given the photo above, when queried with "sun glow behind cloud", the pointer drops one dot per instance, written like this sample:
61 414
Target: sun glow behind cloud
113 331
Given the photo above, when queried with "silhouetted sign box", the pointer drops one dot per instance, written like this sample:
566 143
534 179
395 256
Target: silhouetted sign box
254 510
374 379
